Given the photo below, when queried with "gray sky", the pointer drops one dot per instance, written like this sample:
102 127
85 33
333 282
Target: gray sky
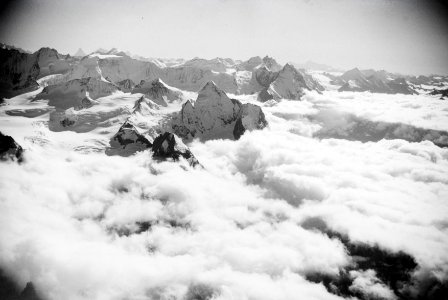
408 36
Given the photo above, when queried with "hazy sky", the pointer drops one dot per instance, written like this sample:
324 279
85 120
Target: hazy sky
409 36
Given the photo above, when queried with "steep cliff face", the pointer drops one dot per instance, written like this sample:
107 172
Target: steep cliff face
212 112
291 83
287 83
18 72
51 62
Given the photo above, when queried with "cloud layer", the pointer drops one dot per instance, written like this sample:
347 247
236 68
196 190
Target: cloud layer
90 226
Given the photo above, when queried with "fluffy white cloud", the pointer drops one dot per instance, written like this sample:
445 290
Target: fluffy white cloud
368 284
90 226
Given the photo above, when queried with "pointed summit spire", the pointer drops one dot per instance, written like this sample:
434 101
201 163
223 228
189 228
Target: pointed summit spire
80 53
211 93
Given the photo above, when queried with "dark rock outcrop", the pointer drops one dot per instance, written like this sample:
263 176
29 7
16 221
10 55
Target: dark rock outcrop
18 72
250 117
443 93
126 85
169 146
10 291
87 102
393 269
129 138
9 149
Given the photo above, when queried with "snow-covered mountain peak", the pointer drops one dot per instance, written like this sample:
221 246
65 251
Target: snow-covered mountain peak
288 68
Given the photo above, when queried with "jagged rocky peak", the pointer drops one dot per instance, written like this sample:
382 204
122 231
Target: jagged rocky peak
250 64
187 114
352 74
210 93
169 146
80 53
51 62
10 149
373 81
126 85
288 83
159 84
10 290
214 107
128 140
300 78
158 91
289 68
400 86
47 53
267 94
29 293
250 117
271 64
212 115
145 106
263 76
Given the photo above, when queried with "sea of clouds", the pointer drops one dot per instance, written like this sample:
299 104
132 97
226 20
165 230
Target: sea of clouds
92 226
